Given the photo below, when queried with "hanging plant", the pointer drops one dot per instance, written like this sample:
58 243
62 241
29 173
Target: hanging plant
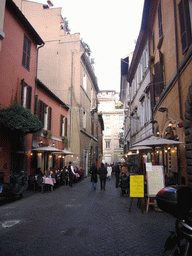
18 119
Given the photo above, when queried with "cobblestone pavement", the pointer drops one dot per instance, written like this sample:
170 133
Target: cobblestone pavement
78 221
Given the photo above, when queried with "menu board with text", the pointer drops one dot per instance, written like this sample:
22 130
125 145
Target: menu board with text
136 186
155 179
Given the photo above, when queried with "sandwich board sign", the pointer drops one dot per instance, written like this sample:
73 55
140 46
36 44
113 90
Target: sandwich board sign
136 186
155 179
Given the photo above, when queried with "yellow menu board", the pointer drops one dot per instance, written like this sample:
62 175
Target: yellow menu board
137 186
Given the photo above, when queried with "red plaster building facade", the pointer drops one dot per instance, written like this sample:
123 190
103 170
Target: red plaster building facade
18 86
52 112
18 60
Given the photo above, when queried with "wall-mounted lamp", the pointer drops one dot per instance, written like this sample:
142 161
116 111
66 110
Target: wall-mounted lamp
163 109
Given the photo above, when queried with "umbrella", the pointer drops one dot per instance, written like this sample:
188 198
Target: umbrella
155 141
139 148
66 152
48 149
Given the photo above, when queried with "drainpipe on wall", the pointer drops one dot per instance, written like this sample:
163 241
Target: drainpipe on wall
36 70
71 98
177 60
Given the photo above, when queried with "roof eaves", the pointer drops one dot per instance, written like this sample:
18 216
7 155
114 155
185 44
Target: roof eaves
24 22
48 91
141 40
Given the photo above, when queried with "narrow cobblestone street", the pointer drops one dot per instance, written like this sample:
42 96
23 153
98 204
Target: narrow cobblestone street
78 221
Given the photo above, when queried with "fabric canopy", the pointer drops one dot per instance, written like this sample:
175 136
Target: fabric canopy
155 141
66 152
48 148
140 148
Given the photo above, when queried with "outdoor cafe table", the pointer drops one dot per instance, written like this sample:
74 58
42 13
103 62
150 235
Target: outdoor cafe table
49 181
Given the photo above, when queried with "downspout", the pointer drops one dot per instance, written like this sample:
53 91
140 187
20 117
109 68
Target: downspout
36 70
177 60
71 99
36 80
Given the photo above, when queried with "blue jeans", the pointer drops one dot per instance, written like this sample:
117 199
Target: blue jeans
102 183
94 185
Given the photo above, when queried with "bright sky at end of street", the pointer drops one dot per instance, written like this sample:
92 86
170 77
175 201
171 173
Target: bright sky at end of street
110 28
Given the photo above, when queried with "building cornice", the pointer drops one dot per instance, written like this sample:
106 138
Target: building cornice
89 68
12 7
89 135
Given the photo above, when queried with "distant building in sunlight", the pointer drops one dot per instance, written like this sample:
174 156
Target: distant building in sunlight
112 112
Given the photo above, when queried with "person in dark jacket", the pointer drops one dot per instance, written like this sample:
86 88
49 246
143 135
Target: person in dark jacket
103 174
70 170
117 172
93 172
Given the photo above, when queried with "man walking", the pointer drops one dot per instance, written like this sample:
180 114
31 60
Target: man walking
71 173
117 172
103 174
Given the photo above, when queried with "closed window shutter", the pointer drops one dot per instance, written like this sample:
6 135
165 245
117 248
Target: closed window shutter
65 126
21 94
29 90
160 20
36 105
41 111
185 25
26 52
158 79
49 118
61 124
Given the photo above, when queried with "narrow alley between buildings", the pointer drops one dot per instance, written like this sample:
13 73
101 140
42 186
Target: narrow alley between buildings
79 221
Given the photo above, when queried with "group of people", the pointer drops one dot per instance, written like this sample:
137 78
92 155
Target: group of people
65 176
105 171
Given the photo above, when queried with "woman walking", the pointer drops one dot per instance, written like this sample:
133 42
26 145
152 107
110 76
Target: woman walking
93 172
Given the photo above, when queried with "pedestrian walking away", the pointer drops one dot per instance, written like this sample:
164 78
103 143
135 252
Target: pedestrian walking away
109 171
93 172
103 174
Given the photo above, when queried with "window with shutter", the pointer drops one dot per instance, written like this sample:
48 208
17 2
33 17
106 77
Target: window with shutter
35 105
160 20
158 79
61 125
26 91
185 24
41 110
49 118
28 102
65 126
26 52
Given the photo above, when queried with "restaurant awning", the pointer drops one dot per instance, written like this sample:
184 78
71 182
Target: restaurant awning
66 152
140 148
155 141
48 149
